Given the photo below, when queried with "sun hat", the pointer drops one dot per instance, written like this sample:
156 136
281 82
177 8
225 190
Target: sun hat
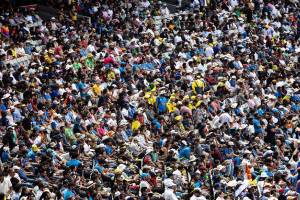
169 183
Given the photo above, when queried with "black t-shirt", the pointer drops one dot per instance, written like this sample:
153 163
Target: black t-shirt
270 137
103 100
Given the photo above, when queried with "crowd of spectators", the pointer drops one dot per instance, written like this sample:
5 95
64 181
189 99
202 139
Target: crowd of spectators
141 103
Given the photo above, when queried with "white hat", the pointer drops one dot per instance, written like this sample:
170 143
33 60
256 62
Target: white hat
117 193
274 119
169 182
16 168
232 183
231 143
177 172
6 96
123 122
144 184
263 175
162 92
122 167
247 152
193 158
234 105
5 148
101 145
220 167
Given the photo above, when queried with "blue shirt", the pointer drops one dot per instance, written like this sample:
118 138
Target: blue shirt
17 115
99 168
185 152
131 111
227 151
260 112
22 174
31 154
257 126
161 104
108 149
197 184
68 194
73 163
128 132
237 161
3 107
295 107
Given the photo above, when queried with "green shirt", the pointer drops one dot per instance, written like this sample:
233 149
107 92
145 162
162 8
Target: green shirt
89 62
77 66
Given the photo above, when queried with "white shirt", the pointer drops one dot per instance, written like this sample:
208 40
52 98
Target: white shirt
229 87
39 193
209 51
225 118
202 68
29 18
216 122
234 3
15 196
169 195
112 122
257 100
38 140
165 11
110 13
141 140
197 198
20 51
5 186
146 4
90 48
86 148
177 39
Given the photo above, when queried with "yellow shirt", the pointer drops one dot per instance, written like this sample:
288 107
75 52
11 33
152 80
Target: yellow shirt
171 106
135 125
198 59
111 76
150 97
48 59
197 83
198 104
191 106
153 89
14 53
96 89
